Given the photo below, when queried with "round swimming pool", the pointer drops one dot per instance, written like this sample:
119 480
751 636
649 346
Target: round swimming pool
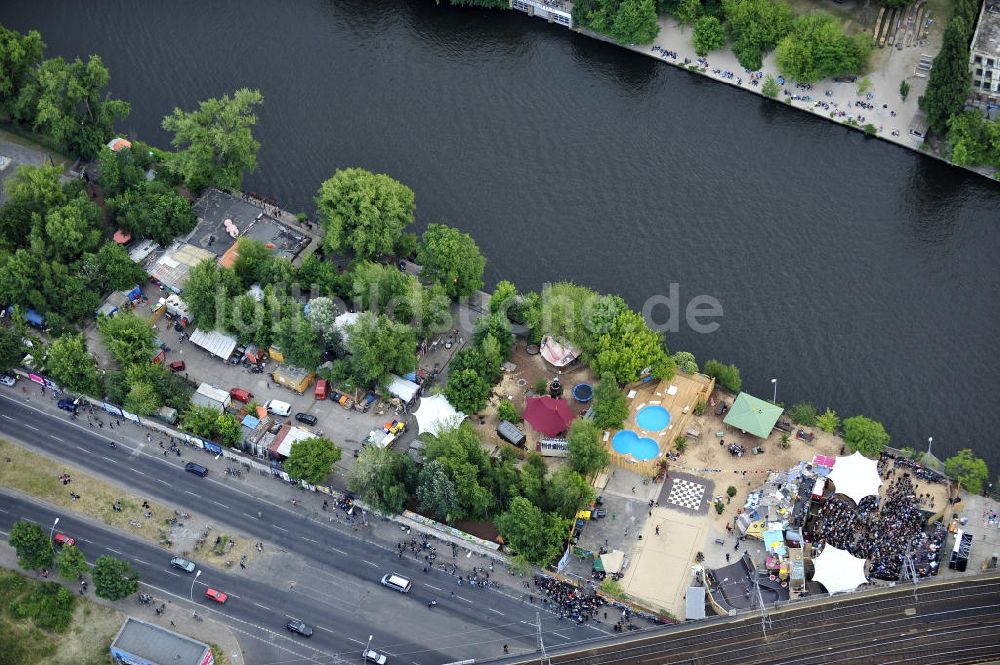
653 418
629 443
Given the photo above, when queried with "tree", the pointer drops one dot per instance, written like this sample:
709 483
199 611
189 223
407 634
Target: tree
630 347
385 290
312 460
363 212
120 170
950 78
112 269
299 342
153 211
771 88
688 12
865 435
685 362
904 90
817 48
380 346
33 547
504 298
72 563
498 327
828 421
756 27
436 492
207 288
467 390
568 492
610 404
215 144
322 317
253 262
709 35
727 376
72 229
130 340
381 478
142 399
587 453
228 429
635 22
114 578
974 140
731 491
67 101
530 533
452 259
12 348
20 55
200 421
507 411
38 188
967 469
803 413
69 363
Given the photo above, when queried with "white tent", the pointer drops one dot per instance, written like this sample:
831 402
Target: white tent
403 389
856 477
436 413
214 342
839 570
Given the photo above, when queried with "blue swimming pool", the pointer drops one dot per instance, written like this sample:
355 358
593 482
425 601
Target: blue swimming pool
653 418
629 443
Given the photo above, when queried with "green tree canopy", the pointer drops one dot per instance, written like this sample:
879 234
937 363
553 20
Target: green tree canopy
114 578
299 341
130 339
322 315
38 188
200 421
467 390
635 22
228 430
142 398
72 229
504 298
436 492
20 56
67 101
803 413
33 547
828 421
382 478
817 48
974 140
120 170
207 288
71 365
498 327
610 404
312 460
756 27
688 12
969 470
709 35
451 258
950 78
727 376
529 532
629 347
215 143
72 563
568 492
363 212
153 211
587 452
111 269
12 348
865 435
379 347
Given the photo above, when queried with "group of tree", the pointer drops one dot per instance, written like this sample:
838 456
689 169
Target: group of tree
66 102
474 370
974 140
312 460
756 27
626 21
727 376
866 436
211 424
817 48
950 78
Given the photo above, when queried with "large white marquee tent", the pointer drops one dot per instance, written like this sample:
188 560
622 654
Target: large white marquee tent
856 477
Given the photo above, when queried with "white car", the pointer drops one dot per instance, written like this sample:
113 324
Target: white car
8 380
372 656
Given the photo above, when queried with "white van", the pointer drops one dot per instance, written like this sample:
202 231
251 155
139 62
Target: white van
394 581
278 408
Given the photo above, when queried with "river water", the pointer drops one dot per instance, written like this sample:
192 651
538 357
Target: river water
859 274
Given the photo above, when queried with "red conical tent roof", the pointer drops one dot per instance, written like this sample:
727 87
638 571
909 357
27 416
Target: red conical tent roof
548 415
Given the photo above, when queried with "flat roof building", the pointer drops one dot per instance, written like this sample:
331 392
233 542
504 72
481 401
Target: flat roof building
223 219
141 643
984 55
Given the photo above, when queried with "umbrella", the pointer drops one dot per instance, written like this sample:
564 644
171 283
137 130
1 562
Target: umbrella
548 415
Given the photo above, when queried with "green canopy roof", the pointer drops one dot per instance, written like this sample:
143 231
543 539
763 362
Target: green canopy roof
753 415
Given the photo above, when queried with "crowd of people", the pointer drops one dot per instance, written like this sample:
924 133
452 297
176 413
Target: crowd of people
880 531
568 601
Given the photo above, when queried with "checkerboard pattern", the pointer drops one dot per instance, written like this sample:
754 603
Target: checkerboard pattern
686 494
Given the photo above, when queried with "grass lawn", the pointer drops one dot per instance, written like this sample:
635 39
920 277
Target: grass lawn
85 641
38 476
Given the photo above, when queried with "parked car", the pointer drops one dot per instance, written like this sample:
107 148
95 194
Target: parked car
306 418
397 582
177 366
217 596
183 564
300 627
321 389
7 380
372 656
241 394
64 540
70 405
599 513
278 408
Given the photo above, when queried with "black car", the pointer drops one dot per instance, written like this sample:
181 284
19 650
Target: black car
306 418
70 405
300 627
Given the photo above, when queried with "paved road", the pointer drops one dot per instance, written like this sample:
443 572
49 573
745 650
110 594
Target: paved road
342 585
951 622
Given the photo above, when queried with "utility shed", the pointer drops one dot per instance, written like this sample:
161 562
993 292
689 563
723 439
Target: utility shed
293 378
211 397
508 431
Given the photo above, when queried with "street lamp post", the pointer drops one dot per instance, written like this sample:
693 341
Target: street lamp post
51 531
930 440
197 574
367 648
775 398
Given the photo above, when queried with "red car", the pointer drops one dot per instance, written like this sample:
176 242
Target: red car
217 596
64 540
240 395
176 366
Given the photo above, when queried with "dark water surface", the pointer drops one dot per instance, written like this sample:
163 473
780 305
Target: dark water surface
859 274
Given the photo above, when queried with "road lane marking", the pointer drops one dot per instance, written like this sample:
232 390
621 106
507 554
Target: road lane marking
310 540
109 459
339 551
253 517
162 482
145 563
355 641
57 438
496 611
431 586
281 528
141 473
192 494
465 599
170 572
265 607
29 426
83 449
370 563
220 504
111 549
560 635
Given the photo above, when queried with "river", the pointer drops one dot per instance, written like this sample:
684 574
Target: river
859 274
